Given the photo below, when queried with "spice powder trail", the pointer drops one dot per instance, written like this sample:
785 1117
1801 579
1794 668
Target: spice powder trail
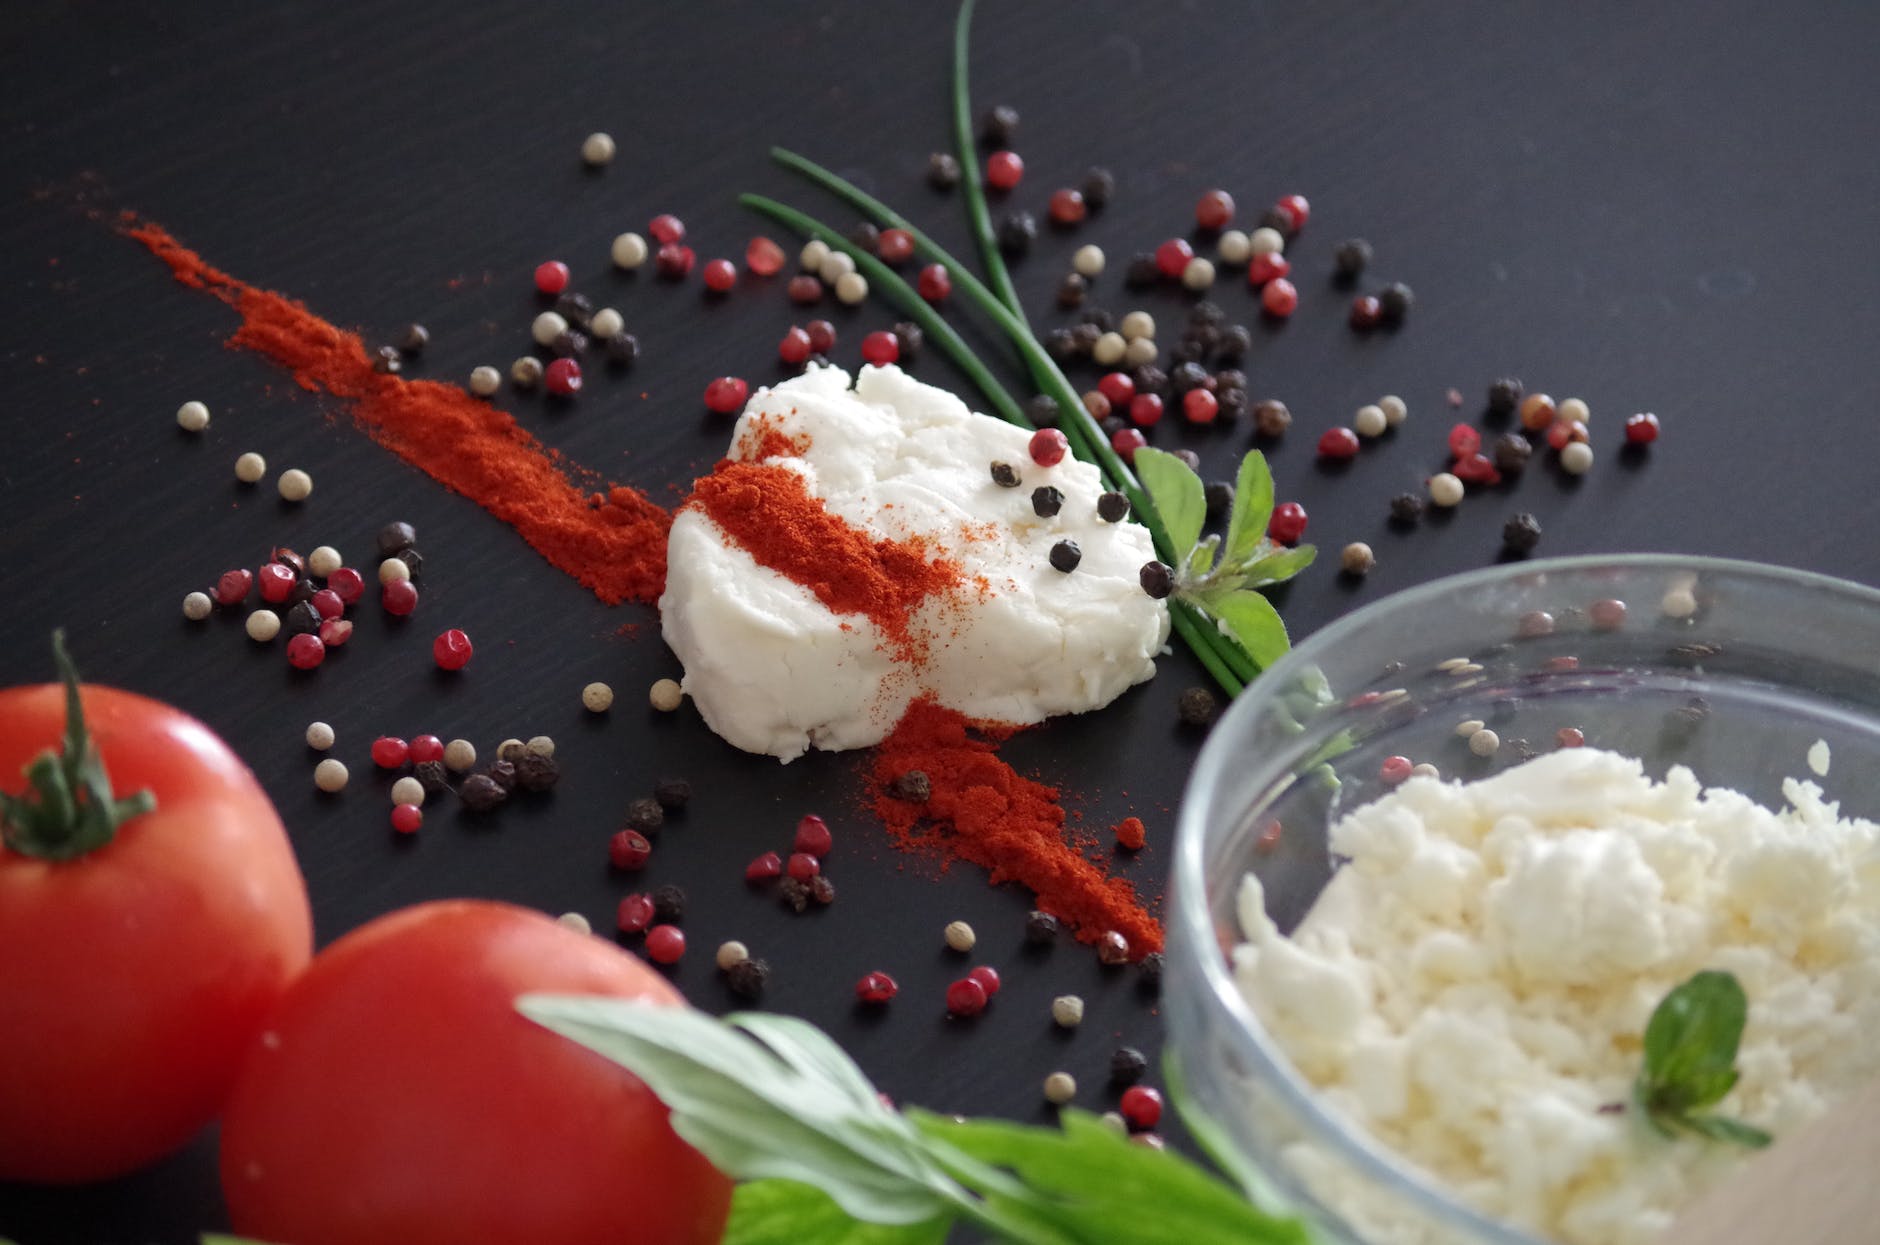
982 810
613 544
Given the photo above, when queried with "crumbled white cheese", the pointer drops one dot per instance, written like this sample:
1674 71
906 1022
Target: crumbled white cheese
1818 758
1473 985
773 670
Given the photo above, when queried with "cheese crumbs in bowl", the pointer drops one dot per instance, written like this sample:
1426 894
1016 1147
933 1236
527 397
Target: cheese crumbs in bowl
1438 867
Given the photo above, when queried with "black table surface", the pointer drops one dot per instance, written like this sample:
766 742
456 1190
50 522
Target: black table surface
1665 208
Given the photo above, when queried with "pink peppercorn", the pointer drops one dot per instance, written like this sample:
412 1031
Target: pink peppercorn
1264 268
277 582
1067 207
390 752
666 228
551 278
1338 443
1200 407
987 977
1288 523
822 336
328 603
452 650
895 247
876 988
634 914
426 748
1394 770
720 275
674 260
1559 433
934 283
794 348
1126 441
1048 447
305 651
399 597
966 997
1464 440
1476 469
763 257
1171 258
813 836
232 587
407 818
1141 1107
629 850
1117 387
803 289
665 944
1641 429
1214 210
764 868
563 378
335 631
802 866
1004 169
1366 312
1297 210
726 394
1145 410
881 348
1279 298
348 583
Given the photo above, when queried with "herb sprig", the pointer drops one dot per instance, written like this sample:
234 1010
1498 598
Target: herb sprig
774 1103
1691 1043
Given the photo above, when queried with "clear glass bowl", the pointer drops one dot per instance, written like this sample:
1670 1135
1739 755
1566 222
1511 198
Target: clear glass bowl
1731 668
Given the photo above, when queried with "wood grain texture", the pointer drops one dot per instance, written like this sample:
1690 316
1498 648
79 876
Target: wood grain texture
1664 208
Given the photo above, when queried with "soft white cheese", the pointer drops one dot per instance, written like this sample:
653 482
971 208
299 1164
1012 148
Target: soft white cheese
773 670
1472 986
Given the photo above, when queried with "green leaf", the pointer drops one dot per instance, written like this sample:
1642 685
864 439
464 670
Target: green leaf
1691 1043
764 1096
1208 1133
1253 507
1250 619
787 1212
1177 495
1275 565
1723 1128
1201 558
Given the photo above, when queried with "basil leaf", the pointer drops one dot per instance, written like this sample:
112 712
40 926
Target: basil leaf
1277 566
1177 494
787 1212
1250 619
1723 1128
1253 507
1691 1043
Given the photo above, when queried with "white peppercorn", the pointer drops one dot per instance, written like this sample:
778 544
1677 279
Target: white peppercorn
1576 458
1370 421
319 736
250 467
324 560
408 790
541 745
1108 351
606 323
192 417
1137 324
263 625
576 922
597 149
485 381
597 698
460 755
960 936
1234 247
547 327
197 606
1088 261
851 288
1394 408
295 485
1140 352
1067 1011
1060 1088
731 954
392 570
1445 489
330 775
1484 742
629 250
666 695
1198 274
1266 241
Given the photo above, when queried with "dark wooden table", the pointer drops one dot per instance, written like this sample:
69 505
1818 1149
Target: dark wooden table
1667 209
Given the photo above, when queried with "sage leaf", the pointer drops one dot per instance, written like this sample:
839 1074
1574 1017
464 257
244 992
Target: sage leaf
1177 494
1251 620
788 1212
1253 507
1201 559
1275 567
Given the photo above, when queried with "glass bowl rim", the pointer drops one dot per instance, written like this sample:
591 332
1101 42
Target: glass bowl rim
1193 922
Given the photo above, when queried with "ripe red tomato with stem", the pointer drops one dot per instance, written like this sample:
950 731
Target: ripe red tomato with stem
146 936
398 1095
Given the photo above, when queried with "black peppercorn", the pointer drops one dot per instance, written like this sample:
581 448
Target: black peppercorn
673 794
303 619
1190 460
1149 379
793 893
867 236
576 309
1229 378
432 776
1406 508
908 336
1099 316
1046 501
394 537
1061 344
1219 495
1099 186
1017 232
480 793
1005 475
669 903
1236 340
1187 352
1350 258
535 772
1042 410
415 338
822 890
644 815
1112 507
387 361
1232 402
1156 579
1000 126
1149 973
1512 452
512 751
622 348
1071 290
1086 335
503 774
1273 218
747 978
1040 928
413 560
1141 272
569 343
1065 555
943 171
1521 533
302 590
1271 418
914 786
1197 706
1206 312
1188 376
1504 396
1394 302
1205 335
1127 1065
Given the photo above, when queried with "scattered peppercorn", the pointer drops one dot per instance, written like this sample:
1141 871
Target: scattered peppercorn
1149 972
1071 290
1046 501
1042 409
1219 496
1197 706
909 338
1351 258
1357 559
1511 452
665 695
1271 418
1521 533
1113 949
1156 579
794 894
629 850
480 793
669 903
747 978
1041 928
503 774
673 794
876 989
387 361
1017 232
822 890
1142 270
535 772
1112 507
1005 475
1065 555
1141 1107
1394 302
1406 508
432 776
1127 1065
960 936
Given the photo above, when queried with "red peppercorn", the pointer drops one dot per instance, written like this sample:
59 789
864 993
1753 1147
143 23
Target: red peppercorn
1394 770
277 582
876 988
1279 298
1297 210
895 247
1559 434
1048 447
804 289
666 228
1264 268
1200 407
335 632
813 837
934 283
551 278
794 348
390 752
881 348
426 748
1172 257
1117 387
802 866
1464 440
966 997
231 588
399 597
629 850
305 651
726 394
406 818
987 977
1641 429
563 378
763 257
1145 410
764 868
1067 207
1141 1107
822 336
1366 312
1338 443
348 583
1004 169
1476 469
1569 737
634 914
674 260
1214 210
720 275
1126 441
665 944
328 603
1288 523
452 650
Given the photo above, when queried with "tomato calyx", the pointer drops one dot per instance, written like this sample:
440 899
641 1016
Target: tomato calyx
68 808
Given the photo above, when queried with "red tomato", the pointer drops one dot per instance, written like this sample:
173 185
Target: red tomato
397 1095
132 978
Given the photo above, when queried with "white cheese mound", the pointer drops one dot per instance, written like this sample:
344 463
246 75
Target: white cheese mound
1473 985
774 671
